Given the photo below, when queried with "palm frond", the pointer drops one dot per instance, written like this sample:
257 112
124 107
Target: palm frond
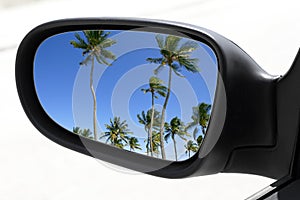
161 93
199 139
188 47
142 118
94 44
191 124
167 136
160 40
88 35
76 130
155 81
145 90
87 60
100 59
176 70
108 43
108 54
171 43
189 63
81 44
155 60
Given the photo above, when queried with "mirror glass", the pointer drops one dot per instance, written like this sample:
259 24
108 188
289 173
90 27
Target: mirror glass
141 91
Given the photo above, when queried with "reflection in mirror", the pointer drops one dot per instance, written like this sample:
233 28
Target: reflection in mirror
145 92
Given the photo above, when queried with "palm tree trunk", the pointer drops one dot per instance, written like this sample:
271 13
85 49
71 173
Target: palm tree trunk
189 153
94 99
148 142
162 145
175 149
151 125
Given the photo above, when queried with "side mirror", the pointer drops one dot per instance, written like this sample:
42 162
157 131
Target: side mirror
163 98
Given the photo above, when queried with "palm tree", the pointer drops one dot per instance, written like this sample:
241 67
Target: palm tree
85 132
176 127
94 46
174 57
200 117
191 146
76 130
134 144
155 88
117 133
149 125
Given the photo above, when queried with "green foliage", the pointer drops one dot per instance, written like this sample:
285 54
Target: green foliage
200 117
156 142
83 132
145 119
93 45
175 128
117 133
156 87
174 55
191 146
134 144
199 140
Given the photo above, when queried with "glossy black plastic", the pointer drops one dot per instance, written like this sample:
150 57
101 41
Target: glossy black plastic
246 129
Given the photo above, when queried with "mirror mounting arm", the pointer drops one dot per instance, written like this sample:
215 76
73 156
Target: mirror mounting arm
281 158
288 106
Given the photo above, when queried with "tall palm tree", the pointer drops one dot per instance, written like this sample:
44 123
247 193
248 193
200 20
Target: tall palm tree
94 46
134 144
117 133
149 125
191 146
155 88
175 57
200 117
175 128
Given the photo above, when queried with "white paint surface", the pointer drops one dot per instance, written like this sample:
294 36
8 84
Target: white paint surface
34 168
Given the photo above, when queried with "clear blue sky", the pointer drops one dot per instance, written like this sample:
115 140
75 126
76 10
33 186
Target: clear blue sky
63 85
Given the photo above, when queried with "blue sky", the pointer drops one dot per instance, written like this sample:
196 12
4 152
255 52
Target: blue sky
62 84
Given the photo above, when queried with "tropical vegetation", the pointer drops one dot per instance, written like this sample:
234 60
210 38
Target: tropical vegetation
200 118
150 122
117 133
175 56
94 46
156 88
175 128
83 132
191 146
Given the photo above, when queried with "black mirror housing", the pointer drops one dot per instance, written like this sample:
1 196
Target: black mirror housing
253 125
